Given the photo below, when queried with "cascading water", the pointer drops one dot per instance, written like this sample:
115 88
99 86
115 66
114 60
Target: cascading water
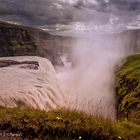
29 85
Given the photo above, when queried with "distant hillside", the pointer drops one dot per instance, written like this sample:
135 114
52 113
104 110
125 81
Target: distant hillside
16 40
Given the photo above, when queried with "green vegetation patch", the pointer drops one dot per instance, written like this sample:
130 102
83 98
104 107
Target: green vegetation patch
17 40
64 125
128 90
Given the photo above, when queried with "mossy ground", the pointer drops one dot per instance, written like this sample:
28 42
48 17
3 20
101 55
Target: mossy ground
64 125
128 89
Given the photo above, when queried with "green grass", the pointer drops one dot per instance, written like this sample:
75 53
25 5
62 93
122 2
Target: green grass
64 125
128 89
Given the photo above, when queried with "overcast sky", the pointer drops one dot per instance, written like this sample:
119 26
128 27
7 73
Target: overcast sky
45 12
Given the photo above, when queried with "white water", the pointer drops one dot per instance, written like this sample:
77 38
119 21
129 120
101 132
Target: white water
28 87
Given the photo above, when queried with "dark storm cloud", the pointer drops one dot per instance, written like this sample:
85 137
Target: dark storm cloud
34 11
106 5
130 5
40 12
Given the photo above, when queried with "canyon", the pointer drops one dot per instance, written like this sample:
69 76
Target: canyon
89 79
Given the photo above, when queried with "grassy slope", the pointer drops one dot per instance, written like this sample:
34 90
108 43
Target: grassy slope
64 125
128 90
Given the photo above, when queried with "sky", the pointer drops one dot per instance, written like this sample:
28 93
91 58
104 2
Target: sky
51 12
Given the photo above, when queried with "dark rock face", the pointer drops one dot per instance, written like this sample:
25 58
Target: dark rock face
18 40
6 63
